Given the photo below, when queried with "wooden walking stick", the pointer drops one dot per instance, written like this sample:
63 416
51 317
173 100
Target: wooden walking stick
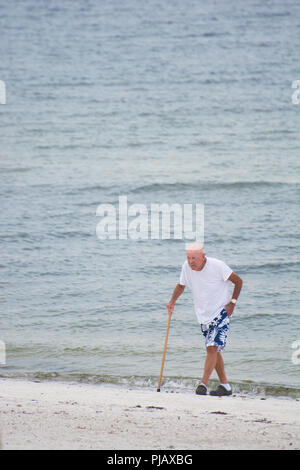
165 350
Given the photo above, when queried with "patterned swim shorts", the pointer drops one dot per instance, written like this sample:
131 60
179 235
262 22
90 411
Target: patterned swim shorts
216 331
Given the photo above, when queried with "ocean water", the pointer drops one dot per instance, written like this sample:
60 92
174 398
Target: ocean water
163 102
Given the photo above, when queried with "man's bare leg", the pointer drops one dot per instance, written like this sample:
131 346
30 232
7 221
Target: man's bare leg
210 363
220 369
224 388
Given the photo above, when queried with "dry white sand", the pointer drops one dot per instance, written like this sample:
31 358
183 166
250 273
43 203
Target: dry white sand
52 415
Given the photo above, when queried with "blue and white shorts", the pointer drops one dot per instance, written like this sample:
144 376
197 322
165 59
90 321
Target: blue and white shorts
216 331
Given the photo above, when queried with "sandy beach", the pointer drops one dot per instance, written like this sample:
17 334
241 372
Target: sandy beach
54 415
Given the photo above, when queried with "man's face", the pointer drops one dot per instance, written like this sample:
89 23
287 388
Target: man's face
195 259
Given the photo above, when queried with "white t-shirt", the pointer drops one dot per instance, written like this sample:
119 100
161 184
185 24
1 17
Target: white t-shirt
210 288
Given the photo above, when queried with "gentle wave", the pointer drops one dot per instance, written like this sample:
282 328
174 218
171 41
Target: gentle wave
155 187
278 266
245 268
17 169
177 186
169 384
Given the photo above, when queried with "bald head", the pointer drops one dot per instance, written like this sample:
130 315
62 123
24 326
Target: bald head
196 256
194 247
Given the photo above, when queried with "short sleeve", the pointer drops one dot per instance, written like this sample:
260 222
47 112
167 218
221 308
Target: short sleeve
225 271
182 280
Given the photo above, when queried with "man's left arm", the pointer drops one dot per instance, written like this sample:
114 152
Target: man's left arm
238 283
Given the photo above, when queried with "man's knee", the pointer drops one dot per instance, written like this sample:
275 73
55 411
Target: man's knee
212 349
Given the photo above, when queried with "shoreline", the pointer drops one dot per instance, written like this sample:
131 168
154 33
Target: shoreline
170 384
56 415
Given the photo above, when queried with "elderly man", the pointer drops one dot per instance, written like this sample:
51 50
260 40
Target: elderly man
209 280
